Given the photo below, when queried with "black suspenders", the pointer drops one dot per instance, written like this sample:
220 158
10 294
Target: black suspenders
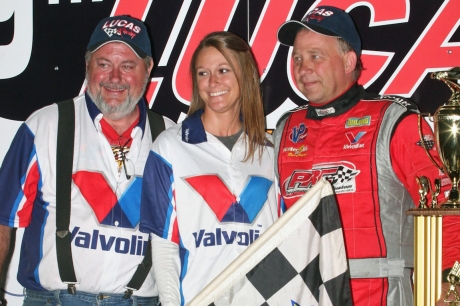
64 162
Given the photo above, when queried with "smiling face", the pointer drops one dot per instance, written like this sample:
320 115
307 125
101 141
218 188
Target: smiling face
217 82
116 79
322 72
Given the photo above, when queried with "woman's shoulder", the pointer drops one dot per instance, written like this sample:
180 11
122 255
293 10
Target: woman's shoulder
170 133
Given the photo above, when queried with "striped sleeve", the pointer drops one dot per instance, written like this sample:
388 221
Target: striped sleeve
158 213
19 180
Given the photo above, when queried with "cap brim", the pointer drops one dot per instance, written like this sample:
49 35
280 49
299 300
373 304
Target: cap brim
135 49
288 31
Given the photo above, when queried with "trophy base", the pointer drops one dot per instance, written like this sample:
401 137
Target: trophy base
453 201
440 212
450 205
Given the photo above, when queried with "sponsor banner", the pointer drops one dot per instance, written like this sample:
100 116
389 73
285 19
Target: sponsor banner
42 44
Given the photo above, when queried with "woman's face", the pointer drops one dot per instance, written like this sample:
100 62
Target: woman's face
216 81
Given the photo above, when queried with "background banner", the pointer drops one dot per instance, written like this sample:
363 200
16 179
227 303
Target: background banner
42 46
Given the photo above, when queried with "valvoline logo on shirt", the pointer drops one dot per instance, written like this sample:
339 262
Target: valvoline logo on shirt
226 206
109 210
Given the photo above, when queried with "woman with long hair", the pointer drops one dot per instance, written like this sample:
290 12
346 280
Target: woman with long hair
209 187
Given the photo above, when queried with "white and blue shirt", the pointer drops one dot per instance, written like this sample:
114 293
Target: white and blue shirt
203 197
105 209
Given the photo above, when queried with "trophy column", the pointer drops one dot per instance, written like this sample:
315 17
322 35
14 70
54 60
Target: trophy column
428 218
428 255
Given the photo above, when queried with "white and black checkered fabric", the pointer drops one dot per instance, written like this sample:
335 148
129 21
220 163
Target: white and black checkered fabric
343 174
306 267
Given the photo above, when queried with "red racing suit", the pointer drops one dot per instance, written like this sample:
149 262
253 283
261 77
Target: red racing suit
369 148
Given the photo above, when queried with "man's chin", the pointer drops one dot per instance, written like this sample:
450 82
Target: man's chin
114 108
114 115
114 102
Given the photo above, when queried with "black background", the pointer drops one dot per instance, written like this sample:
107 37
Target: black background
61 32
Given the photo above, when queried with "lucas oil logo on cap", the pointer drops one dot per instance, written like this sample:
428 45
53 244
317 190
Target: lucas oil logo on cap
121 27
318 14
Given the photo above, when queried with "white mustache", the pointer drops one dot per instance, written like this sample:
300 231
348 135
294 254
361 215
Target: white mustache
114 86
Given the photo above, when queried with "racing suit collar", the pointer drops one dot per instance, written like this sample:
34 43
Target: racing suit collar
94 111
337 106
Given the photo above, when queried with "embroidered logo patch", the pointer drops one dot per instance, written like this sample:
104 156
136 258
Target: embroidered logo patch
121 28
397 100
341 175
298 133
428 140
318 14
296 152
325 112
355 122
354 141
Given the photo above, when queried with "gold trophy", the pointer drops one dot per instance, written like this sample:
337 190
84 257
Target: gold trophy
428 218
447 133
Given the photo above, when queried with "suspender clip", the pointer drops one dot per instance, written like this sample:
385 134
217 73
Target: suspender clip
128 294
71 289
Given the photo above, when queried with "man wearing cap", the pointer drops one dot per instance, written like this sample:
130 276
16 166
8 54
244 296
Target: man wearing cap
112 138
367 146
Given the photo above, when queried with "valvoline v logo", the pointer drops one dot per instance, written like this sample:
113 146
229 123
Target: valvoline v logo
298 133
108 209
354 139
226 206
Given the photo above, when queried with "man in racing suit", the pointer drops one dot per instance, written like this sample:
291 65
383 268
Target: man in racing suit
367 146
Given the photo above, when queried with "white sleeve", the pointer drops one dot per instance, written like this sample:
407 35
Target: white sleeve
166 267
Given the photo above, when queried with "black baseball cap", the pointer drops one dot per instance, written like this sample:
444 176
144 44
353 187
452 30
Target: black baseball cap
327 20
125 29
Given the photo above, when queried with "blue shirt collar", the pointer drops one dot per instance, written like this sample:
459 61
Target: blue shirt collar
94 111
192 128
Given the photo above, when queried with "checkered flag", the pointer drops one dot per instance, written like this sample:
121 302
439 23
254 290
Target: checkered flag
300 260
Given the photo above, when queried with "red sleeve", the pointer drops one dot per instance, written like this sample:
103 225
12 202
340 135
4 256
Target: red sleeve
409 160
